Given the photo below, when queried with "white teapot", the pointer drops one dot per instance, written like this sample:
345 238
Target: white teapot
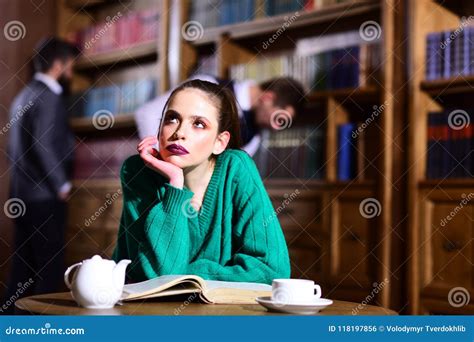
98 283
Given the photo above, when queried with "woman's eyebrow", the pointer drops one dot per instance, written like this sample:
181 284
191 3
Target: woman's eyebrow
199 117
171 111
194 117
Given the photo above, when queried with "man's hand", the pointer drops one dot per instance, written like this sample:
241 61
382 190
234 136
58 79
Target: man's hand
153 160
63 196
64 191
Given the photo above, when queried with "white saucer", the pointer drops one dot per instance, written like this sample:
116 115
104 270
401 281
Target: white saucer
304 308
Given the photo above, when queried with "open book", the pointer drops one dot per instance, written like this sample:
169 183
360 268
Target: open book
210 291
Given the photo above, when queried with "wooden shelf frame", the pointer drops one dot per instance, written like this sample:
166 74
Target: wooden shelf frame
86 124
456 85
426 16
99 60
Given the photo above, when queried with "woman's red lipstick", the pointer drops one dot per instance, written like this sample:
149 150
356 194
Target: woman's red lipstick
177 149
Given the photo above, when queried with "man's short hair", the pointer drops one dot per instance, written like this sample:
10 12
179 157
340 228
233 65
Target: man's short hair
51 49
288 91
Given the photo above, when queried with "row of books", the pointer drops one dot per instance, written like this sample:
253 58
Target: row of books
119 31
118 99
98 158
350 67
450 144
450 53
292 153
214 13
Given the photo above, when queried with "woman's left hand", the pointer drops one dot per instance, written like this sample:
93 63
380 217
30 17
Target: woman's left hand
154 161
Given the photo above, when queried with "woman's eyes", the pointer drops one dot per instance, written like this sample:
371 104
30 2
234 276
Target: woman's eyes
170 120
197 123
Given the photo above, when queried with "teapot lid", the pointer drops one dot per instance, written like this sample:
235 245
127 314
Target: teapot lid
97 258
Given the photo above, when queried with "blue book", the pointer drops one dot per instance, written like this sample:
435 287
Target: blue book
470 31
353 66
447 55
466 39
346 152
432 56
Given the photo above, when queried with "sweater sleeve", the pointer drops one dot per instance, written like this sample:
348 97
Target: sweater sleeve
260 253
153 224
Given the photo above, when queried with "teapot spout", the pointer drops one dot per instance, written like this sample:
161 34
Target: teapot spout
119 273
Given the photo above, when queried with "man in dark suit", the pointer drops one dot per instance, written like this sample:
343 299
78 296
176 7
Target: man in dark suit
40 151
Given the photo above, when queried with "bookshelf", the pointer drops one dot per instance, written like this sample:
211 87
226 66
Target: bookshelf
271 24
329 240
96 201
440 252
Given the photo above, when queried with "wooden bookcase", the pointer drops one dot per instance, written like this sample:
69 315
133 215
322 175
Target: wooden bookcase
94 70
440 257
95 205
328 239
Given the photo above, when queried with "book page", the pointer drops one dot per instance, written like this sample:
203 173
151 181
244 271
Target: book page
159 284
227 292
216 284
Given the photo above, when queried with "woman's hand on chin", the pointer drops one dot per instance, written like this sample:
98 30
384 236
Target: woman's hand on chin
152 159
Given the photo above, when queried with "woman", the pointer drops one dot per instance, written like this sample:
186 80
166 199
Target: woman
198 206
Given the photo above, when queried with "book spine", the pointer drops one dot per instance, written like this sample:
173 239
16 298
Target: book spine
345 158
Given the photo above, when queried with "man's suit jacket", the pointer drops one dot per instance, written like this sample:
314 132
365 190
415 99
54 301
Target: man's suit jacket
41 144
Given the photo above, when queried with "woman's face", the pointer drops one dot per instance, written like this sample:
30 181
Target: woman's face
189 130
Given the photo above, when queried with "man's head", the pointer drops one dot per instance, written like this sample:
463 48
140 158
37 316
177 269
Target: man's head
55 57
280 100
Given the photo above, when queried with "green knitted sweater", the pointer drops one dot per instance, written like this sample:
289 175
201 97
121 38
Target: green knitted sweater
235 236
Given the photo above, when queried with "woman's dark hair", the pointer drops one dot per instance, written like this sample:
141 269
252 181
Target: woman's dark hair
227 109
51 49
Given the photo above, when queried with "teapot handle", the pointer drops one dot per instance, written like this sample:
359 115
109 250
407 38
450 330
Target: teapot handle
66 274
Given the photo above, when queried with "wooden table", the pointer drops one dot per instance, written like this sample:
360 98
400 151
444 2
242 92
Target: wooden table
63 304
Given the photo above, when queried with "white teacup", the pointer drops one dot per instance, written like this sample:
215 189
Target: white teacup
294 291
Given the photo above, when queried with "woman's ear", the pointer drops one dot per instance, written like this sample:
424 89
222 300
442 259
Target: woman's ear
221 142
